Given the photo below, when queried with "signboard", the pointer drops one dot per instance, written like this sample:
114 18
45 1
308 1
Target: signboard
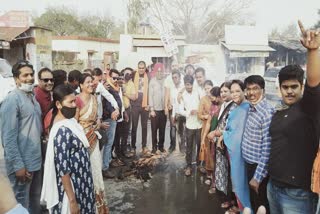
248 54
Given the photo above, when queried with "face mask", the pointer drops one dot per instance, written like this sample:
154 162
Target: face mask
127 77
26 87
68 112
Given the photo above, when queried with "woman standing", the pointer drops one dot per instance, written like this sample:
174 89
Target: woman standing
209 146
203 115
68 184
222 179
87 108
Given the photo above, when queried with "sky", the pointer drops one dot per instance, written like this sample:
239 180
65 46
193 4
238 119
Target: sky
267 13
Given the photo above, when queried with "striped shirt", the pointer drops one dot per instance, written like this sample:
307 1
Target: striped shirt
256 140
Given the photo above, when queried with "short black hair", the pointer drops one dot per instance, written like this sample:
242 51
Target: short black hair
255 79
208 82
188 79
215 91
238 82
59 77
226 84
96 72
291 72
187 66
74 75
113 71
45 69
142 62
20 64
175 71
200 69
87 70
83 77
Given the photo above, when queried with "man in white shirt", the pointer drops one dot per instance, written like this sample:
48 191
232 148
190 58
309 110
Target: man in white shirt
191 101
200 76
177 117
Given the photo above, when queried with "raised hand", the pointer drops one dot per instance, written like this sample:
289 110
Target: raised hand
310 38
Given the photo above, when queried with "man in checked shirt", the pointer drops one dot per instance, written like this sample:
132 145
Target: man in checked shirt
256 141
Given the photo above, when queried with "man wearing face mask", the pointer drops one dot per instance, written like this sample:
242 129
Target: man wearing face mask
21 129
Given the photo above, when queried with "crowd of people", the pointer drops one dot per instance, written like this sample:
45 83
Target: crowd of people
59 136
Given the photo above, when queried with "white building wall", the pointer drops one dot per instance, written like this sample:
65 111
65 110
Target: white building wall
82 46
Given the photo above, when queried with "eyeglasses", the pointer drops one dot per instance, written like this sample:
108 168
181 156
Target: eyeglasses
115 78
47 80
253 90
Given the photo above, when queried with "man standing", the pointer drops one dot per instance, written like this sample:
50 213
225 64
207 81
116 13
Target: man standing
294 132
256 140
200 76
140 106
21 129
177 119
157 115
123 128
191 101
108 110
43 90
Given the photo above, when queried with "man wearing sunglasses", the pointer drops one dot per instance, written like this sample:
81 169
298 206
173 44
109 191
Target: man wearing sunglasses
44 89
21 127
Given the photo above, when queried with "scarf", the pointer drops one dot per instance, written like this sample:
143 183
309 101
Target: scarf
49 192
232 139
145 87
281 106
116 88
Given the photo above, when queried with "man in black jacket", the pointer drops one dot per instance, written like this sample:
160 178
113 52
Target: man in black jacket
294 134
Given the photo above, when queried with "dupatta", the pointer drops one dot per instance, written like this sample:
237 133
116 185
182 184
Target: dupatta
232 139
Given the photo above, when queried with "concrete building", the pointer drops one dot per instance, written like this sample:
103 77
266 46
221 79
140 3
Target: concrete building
79 52
19 40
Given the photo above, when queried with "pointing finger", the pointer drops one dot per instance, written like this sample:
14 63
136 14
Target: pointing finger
302 29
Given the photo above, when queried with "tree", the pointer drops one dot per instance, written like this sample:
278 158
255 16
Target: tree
290 32
201 21
61 20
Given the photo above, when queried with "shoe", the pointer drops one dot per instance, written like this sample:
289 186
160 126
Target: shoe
108 174
171 149
145 151
133 152
162 150
202 170
153 151
114 163
120 163
188 171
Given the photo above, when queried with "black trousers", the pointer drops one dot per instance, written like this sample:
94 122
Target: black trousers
158 123
136 112
173 131
181 130
260 199
193 138
121 135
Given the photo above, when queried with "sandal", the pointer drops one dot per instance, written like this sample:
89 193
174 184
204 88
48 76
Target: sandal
120 163
234 210
226 205
212 190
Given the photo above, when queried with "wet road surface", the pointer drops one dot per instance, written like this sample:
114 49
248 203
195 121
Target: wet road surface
168 192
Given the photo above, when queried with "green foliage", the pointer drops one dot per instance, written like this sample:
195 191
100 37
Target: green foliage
64 21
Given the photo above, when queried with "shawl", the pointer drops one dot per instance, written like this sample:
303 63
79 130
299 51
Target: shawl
145 87
49 192
232 139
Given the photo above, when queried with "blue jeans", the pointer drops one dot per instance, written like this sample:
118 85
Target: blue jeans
290 200
110 133
28 193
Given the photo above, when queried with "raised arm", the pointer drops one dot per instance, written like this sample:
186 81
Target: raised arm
311 40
